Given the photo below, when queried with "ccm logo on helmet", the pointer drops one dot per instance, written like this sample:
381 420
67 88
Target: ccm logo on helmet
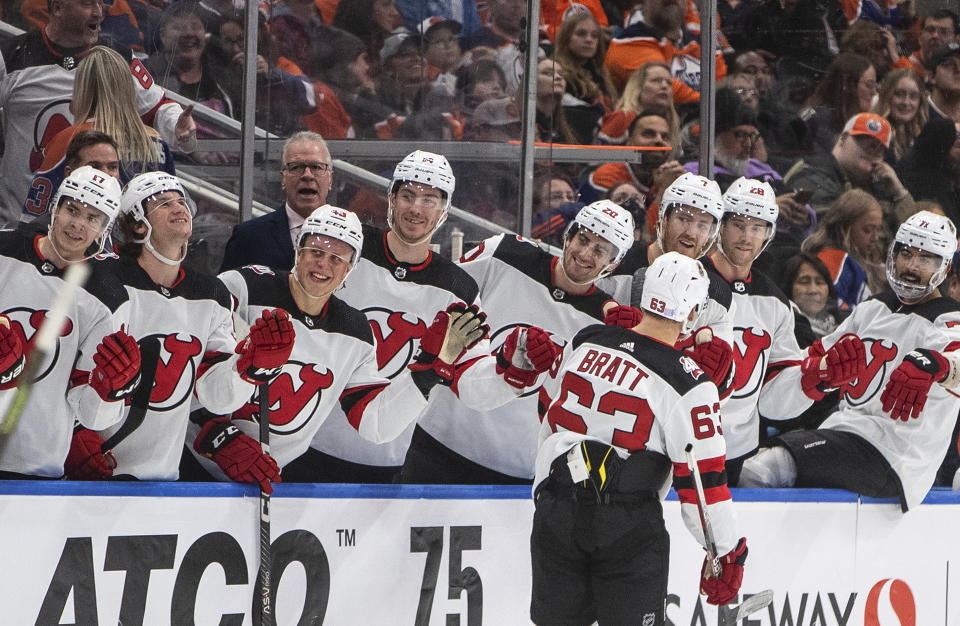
890 603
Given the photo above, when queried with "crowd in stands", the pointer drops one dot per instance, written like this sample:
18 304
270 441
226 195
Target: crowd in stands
848 109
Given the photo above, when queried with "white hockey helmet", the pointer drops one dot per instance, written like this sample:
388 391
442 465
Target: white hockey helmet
608 220
336 223
693 190
92 187
931 233
752 198
696 192
95 189
147 185
674 285
135 195
426 168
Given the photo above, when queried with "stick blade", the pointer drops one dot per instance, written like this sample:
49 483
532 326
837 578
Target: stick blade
756 602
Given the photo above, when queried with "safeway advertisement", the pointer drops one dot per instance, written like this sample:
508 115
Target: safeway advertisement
343 557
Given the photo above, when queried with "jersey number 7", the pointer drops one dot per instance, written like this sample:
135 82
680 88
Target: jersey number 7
609 403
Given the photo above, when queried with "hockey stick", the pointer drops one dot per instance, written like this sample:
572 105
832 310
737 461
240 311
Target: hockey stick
140 400
45 343
265 616
728 617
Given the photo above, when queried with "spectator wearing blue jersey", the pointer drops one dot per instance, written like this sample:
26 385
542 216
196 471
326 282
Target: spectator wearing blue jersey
850 242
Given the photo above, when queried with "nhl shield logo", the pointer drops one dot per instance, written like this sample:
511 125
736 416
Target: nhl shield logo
739 286
400 272
308 321
165 291
69 63
47 267
559 294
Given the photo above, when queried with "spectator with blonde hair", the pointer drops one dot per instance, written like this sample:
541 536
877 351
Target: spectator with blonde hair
903 101
103 101
648 87
850 242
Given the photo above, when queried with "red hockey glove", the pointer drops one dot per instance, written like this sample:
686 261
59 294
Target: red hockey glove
623 316
526 353
238 455
12 358
823 371
906 391
722 589
117 370
452 333
85 461
712 354
266 348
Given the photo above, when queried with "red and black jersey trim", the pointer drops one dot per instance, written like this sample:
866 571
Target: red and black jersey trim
436 271
714 478
354 401
929 310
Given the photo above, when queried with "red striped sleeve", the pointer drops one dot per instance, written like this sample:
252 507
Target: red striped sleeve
714 481
210 358
458 371
354 401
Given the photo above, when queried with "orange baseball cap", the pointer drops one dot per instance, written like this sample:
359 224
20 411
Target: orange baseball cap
870 124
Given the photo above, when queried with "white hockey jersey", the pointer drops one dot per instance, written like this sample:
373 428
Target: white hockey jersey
515 280
28 286
766 364
400 301
890 330
333 363
190 328
626 286
636 393
36 87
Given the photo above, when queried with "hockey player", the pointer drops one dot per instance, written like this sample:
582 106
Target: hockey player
183 323
399 284
766 354
618 414
690 212
890 433
334 359
95 365
455 444
37 70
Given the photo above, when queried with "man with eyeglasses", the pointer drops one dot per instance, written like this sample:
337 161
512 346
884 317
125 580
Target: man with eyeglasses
306 177
899 399
740 151
939 29
856 161
944 96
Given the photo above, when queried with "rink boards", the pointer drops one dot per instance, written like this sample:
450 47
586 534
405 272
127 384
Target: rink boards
154 553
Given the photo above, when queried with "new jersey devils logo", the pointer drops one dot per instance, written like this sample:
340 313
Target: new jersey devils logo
51 120
871 380
176 370
397 335
25 323
295 394
750 357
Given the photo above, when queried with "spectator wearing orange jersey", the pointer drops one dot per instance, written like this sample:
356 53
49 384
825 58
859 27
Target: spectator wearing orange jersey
119 23
661 36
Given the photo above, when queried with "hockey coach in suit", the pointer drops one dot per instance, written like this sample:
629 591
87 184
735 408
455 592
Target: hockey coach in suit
306 177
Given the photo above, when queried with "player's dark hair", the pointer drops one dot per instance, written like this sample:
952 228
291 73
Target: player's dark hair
85 139
127 226
943 14
654 111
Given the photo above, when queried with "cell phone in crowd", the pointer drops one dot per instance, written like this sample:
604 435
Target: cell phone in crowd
803 196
